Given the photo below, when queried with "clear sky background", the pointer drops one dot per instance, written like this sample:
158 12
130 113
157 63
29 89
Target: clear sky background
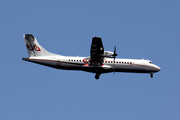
148 29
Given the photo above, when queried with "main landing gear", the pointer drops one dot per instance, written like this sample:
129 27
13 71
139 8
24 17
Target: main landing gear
98 73
151 74
97 76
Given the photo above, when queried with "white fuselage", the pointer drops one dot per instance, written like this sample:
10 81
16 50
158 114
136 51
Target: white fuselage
82 63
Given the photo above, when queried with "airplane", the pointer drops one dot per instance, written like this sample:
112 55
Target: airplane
99 61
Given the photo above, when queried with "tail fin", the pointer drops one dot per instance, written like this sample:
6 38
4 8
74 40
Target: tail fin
33 47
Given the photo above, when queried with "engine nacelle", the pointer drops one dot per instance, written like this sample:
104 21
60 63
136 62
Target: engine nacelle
108 54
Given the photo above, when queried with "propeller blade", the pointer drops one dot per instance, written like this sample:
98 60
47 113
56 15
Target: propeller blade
114 49
115 54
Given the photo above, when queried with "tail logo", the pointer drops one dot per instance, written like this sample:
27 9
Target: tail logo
34 47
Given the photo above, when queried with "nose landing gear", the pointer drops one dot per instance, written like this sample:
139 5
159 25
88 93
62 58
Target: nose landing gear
151 74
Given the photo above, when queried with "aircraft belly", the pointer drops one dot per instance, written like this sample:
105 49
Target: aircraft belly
70 66
48 63
84 67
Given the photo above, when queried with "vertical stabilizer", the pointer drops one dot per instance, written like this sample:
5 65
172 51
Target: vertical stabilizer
33 47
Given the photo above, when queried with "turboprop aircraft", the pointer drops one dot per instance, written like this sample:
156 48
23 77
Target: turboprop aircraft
99 62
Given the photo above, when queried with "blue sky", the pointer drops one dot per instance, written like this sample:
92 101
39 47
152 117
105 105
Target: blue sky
139 29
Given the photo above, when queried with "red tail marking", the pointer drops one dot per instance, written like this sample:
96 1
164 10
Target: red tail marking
35 47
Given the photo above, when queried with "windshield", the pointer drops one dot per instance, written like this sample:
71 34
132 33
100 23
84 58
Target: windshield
151 62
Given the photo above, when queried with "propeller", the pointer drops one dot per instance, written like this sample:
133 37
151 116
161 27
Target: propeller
115 54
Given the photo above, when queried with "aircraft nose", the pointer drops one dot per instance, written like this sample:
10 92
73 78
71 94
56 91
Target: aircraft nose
158 68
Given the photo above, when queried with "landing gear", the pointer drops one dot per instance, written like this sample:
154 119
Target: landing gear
97 76
151 74
98 73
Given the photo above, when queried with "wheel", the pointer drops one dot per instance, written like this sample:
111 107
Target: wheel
151 73
97 76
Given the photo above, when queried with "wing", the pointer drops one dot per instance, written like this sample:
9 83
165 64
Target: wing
97 51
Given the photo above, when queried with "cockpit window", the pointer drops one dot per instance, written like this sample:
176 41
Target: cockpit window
151 62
